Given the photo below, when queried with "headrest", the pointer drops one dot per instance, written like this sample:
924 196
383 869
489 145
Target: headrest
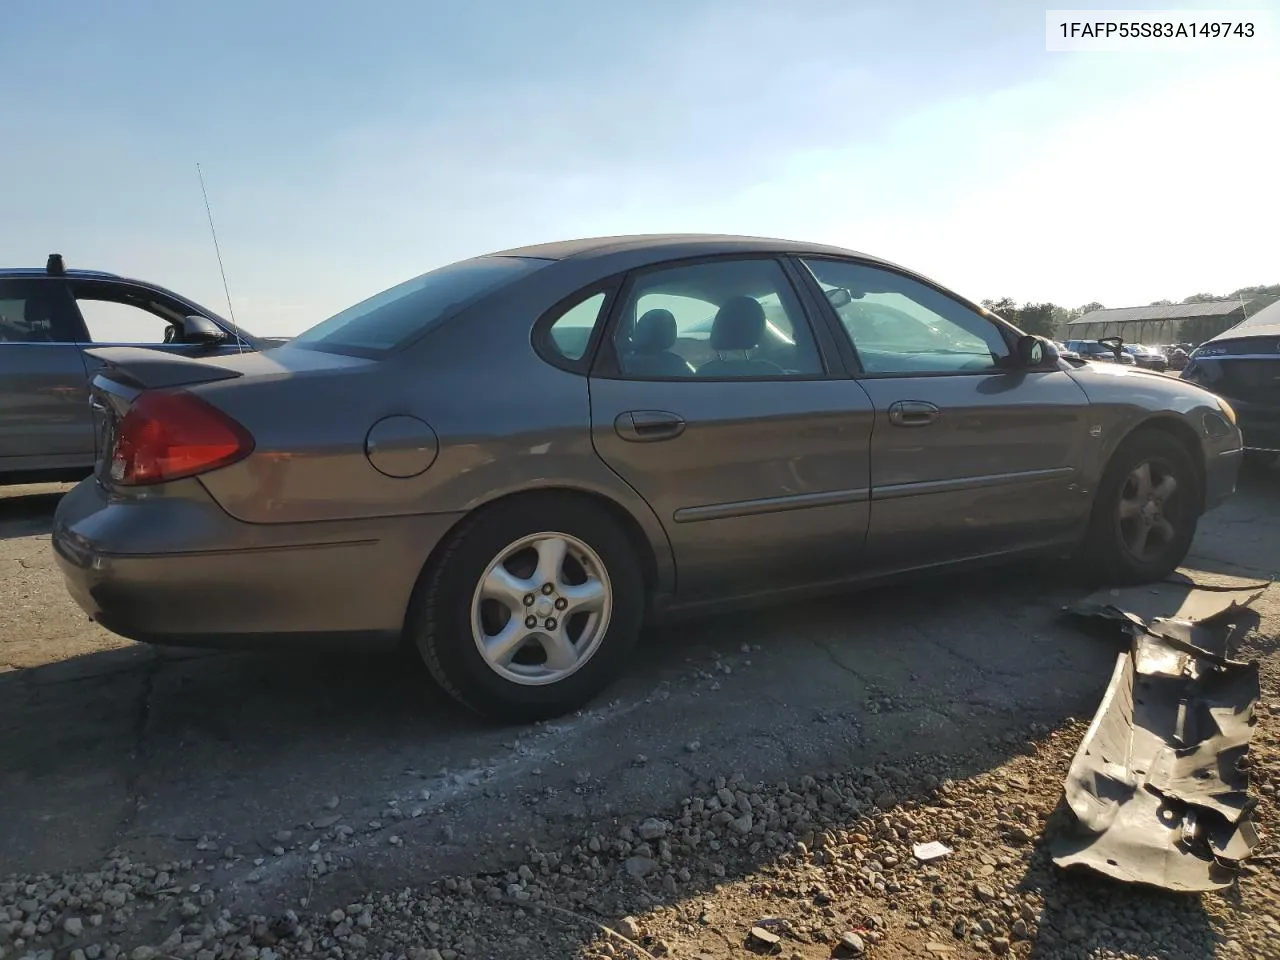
35 315
739 325
655 332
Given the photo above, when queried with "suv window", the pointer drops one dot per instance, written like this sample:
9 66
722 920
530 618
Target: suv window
35 311
395 316
113 321
902 326
115 312
737 319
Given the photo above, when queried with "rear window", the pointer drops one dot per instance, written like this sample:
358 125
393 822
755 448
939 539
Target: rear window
395 316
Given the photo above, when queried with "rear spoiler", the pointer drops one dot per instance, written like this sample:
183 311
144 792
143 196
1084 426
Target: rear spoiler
148 369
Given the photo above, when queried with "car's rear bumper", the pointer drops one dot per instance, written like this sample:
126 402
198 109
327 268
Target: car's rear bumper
1222 469
1260 425
179 570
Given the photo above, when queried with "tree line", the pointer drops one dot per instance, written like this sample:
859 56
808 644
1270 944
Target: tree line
1050 319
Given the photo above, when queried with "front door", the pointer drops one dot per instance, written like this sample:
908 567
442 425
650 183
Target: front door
45 423
971 456
717 401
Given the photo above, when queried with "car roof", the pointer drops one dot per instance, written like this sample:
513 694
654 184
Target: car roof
73 274
672 246
1264 323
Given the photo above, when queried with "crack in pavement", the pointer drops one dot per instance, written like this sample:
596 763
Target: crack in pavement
139 755
835 659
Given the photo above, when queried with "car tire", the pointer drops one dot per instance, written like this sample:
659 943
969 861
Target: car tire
1122 507
599 586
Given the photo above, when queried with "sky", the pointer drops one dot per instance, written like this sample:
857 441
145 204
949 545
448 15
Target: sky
348 146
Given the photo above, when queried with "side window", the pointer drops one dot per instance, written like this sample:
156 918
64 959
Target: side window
721 319
35 311
570 333
902 326
115 321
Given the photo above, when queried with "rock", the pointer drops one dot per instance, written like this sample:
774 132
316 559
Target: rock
652 829
1020 929
74 926
852 944
639 867
78 954
282 836
886 801
332 803
629 928
761 937
114 898
693 746
143 953
999 946
984 892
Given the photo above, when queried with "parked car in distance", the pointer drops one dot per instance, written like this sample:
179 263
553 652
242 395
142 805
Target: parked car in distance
1177 356
1242 364
48 319
1149 358
513 461
1065 352
1099 351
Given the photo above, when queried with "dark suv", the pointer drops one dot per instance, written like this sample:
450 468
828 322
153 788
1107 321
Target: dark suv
48 318
1242 365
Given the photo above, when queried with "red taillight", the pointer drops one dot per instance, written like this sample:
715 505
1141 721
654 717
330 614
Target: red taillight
168 435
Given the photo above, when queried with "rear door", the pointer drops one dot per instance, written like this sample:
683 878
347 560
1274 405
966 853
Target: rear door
115 313
45 422
970 455
720 403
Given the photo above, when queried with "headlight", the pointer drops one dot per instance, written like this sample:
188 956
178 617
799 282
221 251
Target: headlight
1227 411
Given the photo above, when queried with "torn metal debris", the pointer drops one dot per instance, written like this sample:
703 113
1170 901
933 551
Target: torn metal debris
1159 785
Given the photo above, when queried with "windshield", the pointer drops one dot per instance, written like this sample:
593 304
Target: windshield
395 316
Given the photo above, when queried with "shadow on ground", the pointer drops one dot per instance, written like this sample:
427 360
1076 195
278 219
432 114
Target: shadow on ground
152 749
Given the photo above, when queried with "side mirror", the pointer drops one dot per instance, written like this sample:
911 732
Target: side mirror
198 329
839 296
1031 351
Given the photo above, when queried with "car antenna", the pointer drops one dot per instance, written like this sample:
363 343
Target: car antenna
218 252
54 266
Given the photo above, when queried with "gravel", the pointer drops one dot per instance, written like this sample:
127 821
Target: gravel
819 865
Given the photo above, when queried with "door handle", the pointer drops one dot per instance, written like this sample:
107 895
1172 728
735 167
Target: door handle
645 426
913 413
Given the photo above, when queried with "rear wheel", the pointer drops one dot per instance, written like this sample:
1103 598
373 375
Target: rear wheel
532 609
1145 512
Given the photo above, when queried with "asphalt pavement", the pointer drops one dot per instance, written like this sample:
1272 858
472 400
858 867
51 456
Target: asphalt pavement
109 745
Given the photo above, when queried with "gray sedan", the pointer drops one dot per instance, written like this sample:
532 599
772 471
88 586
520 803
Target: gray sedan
513 461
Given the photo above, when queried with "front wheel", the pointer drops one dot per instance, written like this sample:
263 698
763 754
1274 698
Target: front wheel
1145 512
532 609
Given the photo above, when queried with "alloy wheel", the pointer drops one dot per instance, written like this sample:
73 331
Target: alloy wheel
541 609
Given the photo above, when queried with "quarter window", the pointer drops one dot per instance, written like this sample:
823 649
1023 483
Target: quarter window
902 326
570 333
724 319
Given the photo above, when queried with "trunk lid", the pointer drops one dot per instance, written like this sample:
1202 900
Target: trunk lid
126 372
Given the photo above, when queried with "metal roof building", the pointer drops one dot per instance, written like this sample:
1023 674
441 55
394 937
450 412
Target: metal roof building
1156 324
